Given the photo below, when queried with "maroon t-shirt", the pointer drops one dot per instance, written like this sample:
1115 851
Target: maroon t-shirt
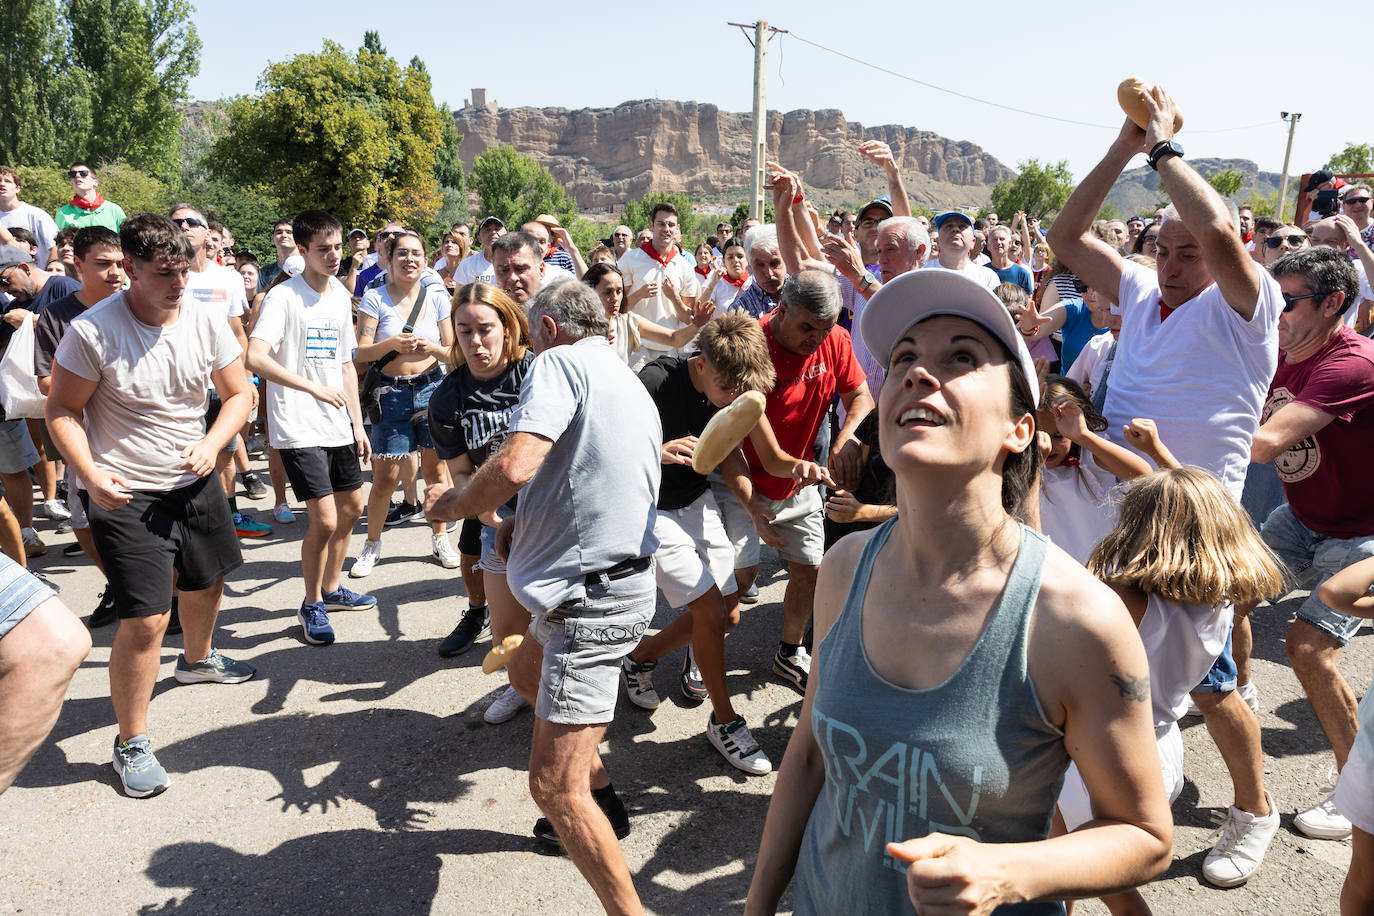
1326 476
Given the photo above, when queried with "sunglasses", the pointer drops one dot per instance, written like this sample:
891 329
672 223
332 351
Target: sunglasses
5 278
1290 301
1274 241
184 221
78 173
1356 200
387 235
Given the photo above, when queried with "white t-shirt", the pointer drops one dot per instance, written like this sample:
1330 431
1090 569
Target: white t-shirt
27 216
638 269
1076 506
1092 359
391 321
1202 375
311 334
1353 308
473 268
219 287
152 387
975 272
724 293
1182 641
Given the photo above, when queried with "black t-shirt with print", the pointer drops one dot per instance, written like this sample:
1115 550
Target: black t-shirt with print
683 411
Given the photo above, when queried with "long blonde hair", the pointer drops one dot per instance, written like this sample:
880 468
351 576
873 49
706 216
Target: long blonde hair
1181 536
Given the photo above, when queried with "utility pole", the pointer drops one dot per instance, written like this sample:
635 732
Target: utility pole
1292 120
762 34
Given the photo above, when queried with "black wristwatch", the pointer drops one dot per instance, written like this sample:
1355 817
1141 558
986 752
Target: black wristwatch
1163 150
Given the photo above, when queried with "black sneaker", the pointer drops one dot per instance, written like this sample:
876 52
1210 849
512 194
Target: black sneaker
402 512
104 613
610 805
693 687
475 625
72 550
751 594
253 484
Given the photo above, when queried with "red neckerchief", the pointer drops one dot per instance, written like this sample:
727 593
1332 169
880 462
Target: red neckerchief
737 284
705 273
1069 462
89 205
1164 311
648 248
1248 237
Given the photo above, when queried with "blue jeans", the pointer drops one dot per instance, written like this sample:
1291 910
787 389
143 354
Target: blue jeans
1313 558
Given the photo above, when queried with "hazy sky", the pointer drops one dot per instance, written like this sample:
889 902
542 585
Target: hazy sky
1064 59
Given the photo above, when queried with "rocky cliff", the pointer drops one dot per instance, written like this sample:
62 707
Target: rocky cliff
606 156
1139 190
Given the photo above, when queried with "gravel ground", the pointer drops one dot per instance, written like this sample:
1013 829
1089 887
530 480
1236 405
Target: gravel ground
360 775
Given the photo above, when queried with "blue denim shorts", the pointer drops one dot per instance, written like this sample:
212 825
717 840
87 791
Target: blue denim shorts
1312 558
1221 677
20 593
17 451
489 561
584 641
404 426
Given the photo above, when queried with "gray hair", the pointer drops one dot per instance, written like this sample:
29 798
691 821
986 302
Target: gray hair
1325 270
574 307
912 231
1232 212
812 291
765 236
171 211
512 242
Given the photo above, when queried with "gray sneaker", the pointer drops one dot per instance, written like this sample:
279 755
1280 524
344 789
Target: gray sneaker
138 769
215 669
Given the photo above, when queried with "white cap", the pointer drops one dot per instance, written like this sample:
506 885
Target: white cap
921 294
293 265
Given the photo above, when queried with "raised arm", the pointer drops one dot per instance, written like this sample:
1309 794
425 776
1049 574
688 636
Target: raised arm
1205 214
1096 263
881 153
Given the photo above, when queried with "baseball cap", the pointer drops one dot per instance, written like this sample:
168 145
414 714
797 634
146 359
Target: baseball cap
950 214
490 219
293 265
885 201
920 294
1320 176
362 232
11 255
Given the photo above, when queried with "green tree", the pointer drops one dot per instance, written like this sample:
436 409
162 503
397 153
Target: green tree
1261 204
742 213
1039 190
353 134
516 188
1355 159
1227 182
139 56
1108 210
44 107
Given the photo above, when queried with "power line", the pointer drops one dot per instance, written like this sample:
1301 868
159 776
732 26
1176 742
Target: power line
981 101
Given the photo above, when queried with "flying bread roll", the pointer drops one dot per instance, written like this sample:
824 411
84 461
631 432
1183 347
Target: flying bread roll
726 430
1128 96
501 654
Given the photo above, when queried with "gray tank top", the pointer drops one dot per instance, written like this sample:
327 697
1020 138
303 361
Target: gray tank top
973 756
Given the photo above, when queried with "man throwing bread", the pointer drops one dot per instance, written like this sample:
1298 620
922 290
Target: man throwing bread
580 559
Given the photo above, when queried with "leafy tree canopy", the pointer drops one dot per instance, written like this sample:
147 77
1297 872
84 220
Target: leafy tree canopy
516 188
354 134
1039 190
1227 182
1353 160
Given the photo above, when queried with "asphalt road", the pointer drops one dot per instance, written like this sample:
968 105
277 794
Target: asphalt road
360 776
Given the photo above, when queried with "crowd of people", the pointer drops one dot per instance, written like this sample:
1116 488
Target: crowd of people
1028 485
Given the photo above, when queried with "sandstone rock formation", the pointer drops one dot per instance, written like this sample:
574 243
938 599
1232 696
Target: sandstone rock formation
606 156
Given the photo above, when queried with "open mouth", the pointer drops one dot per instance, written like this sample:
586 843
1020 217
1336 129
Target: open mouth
920 417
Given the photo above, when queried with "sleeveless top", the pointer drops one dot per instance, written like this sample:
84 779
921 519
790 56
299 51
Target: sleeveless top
973 756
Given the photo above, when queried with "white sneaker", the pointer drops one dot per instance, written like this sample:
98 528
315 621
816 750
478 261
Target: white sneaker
504 707
1322 821
639 682
738 746
372 552
1239 852
53 509
443 551
33 544
282 513
1250 694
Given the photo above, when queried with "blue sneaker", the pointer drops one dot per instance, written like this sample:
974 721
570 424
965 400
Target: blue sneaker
315 624
343 599
138 769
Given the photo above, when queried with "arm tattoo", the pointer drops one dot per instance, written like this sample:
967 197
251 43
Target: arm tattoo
1132 687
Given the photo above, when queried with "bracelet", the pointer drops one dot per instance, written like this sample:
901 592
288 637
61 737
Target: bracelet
799 198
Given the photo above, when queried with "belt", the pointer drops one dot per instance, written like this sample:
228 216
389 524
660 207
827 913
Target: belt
433 374
620 570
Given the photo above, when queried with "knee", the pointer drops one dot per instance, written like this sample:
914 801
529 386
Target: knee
731 618
526 683
1308 649
548 791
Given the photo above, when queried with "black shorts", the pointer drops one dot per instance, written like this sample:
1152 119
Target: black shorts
187 531
321 470
470 538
